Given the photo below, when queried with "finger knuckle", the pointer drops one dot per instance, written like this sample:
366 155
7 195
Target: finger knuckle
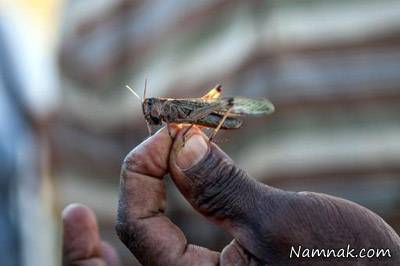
130 161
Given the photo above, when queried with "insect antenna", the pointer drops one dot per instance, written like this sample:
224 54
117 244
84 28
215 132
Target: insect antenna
134 93
140 98
145 88
144 98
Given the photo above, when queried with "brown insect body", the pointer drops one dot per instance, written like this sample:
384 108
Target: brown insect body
204 112
209 110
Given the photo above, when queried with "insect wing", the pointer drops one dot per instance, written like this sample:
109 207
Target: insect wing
245 106
241 106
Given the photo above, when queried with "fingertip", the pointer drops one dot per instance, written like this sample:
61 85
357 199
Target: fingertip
151 156
169 131
81 239
78 213
190 148
193 151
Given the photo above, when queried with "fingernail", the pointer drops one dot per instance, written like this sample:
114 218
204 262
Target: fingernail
194 150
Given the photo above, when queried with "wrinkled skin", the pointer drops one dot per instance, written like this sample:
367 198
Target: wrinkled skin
264 221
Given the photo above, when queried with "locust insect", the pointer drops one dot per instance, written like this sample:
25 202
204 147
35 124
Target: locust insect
210 111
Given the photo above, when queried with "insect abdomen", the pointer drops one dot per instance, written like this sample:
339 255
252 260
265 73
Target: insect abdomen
213 120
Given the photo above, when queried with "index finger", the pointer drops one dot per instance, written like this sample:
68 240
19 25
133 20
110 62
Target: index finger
141 223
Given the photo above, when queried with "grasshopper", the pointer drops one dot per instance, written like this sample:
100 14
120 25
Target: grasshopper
208 111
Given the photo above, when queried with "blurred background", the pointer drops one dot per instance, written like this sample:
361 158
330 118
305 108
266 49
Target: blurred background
332 69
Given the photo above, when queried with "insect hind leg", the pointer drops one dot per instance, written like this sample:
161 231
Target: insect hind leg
220 124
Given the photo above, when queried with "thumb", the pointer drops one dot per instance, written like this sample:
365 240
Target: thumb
212 183
265 221
256 215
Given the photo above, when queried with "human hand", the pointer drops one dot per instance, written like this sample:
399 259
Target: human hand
265 222
81 240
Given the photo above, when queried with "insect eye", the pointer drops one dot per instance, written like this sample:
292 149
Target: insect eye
156 120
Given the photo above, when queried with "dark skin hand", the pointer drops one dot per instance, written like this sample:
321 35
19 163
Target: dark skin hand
264 221
81 240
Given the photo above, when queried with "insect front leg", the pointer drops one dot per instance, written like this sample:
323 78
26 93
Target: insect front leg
149 129
185 132
169 130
